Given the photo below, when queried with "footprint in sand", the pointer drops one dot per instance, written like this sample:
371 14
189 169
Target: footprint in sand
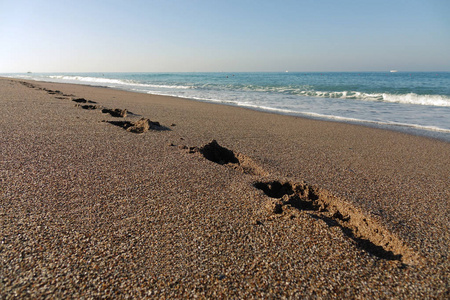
82 100
223 156
89 106
116 112
321 205
139 126
287 197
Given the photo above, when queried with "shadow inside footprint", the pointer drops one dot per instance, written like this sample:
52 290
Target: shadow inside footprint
275 189
362 242
218 154
223 156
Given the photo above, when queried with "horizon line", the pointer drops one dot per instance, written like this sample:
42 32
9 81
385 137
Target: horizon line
286 71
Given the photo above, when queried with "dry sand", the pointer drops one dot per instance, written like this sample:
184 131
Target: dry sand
278 207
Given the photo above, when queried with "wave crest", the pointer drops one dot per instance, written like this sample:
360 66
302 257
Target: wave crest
410 98
110 81
293 90
308 91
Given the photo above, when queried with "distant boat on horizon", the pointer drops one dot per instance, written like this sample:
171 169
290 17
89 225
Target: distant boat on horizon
394 71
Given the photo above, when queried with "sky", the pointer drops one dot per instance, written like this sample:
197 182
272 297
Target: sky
215 36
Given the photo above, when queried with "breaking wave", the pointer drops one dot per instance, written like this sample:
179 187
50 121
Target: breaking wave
112 82
299 90
409 98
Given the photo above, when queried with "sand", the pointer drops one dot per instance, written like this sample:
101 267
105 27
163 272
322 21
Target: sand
212 201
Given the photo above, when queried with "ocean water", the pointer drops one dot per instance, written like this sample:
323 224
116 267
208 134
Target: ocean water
418 102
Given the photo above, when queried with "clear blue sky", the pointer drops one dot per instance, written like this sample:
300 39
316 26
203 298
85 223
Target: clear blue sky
243 35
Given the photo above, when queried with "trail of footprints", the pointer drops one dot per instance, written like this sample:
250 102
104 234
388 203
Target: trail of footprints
140 126
284 197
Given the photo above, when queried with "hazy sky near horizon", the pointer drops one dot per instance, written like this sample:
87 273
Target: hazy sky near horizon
244 35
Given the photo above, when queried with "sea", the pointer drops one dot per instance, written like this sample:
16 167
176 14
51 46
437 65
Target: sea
413 102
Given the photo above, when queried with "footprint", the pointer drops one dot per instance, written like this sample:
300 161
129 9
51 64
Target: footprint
89 106
117 112
30 85
82 100
218 154
139 126
53 92
321 205
223 156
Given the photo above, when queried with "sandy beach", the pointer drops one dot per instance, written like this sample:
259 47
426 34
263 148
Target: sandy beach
176 198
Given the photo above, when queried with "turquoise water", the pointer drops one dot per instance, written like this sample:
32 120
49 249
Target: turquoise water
418 103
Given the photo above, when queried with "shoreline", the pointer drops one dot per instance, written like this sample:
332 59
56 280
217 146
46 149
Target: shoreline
166 212
417 130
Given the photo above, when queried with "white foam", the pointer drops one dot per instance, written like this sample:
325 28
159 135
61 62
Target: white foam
416 126
412 98
114 82
88 79
346 119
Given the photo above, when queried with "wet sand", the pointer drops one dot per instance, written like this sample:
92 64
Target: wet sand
101 202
